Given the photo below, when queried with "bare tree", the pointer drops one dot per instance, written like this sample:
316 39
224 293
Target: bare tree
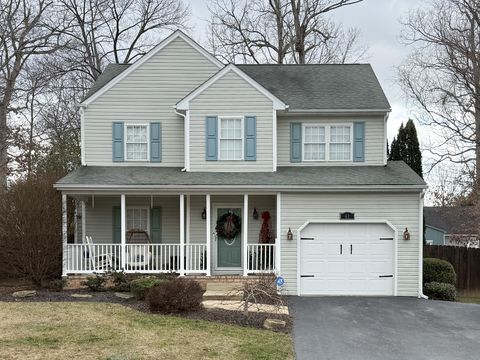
281 31
104 31
25 32
442 77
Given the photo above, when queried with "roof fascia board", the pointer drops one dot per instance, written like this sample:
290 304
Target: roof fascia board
184 104
435 228
338 111
176 34
216 187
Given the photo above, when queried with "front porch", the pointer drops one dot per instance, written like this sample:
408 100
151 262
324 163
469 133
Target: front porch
138 233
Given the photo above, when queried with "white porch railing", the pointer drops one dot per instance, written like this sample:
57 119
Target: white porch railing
86 258
142 258
261 258
195 258
154 258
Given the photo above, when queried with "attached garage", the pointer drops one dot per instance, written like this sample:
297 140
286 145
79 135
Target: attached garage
347 258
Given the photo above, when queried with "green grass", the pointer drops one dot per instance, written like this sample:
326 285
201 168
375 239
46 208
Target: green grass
114 332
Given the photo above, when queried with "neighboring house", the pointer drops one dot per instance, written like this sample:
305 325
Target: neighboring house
182 155
453 226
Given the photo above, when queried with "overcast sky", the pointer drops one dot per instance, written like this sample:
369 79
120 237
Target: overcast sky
378 20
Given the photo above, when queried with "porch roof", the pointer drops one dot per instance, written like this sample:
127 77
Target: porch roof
396 175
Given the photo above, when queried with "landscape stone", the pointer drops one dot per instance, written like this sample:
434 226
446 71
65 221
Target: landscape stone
81 296
24 293
274 324
124 295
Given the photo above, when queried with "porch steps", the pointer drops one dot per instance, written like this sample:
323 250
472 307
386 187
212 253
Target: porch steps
223 291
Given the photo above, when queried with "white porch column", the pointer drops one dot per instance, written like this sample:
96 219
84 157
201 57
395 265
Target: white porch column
278 239
64 234
182 235
123 230
245 234
208 234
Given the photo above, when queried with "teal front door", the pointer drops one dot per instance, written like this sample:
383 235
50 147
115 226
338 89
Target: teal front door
229 251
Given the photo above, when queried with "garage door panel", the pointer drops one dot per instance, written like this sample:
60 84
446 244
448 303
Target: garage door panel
353 270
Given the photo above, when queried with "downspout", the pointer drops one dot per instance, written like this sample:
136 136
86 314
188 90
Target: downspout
385 137
420 247
186 132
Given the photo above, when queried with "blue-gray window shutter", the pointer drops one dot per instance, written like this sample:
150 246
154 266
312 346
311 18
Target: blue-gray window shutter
117 225
117 141
250 138
359 141
155 142
211 138
295 142
156 225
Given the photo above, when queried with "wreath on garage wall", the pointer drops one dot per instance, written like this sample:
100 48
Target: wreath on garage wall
228 226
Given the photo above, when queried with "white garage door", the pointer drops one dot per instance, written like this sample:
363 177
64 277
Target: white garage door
347 259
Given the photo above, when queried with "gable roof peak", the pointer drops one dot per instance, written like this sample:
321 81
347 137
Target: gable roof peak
111 81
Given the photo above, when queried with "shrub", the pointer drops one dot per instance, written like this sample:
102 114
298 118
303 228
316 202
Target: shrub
437 270
140 287
440 291
95 283
31 228
56 284
176 295
120 281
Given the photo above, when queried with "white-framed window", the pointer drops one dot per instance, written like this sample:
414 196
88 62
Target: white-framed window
136 142
230 138
340 143
314 142
137 218
326 142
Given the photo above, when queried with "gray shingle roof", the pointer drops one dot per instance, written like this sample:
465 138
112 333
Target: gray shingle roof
321 86
453 220
395 173
306 87
110 72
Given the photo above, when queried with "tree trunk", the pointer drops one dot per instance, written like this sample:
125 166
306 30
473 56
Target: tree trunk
3 148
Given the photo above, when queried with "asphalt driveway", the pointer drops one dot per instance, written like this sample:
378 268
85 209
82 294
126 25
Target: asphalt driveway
384 328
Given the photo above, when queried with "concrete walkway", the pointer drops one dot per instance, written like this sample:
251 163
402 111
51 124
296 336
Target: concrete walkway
238 306
354 328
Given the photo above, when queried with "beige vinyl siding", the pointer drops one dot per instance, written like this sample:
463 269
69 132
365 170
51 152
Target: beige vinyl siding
374 138
231 96
98 220
147 95
401 209
261 202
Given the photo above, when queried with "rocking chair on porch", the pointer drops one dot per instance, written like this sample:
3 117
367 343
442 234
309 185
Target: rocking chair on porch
99 261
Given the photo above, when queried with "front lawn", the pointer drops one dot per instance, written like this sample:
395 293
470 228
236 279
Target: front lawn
111 331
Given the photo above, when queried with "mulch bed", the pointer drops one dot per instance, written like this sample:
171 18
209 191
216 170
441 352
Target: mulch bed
253 319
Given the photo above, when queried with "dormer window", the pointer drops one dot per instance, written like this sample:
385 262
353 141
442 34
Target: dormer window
136 144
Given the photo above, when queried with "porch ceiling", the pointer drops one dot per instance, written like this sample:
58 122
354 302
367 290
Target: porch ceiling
395 175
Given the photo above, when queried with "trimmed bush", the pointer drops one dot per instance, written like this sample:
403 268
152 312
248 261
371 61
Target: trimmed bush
120 281
140 287
437 270
440 291
176 295
95 283
56 284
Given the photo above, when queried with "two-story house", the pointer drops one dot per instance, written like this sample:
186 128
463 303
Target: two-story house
185 160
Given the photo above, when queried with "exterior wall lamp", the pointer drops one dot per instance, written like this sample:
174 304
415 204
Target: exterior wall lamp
406 234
